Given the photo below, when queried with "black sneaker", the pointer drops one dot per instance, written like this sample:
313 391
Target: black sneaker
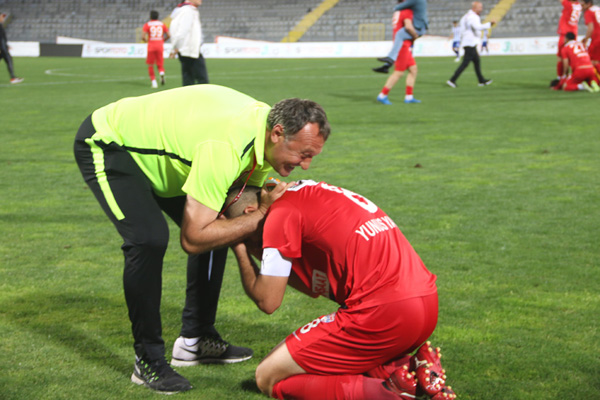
207 350
383 69
162 80
388 61
486 82
159 376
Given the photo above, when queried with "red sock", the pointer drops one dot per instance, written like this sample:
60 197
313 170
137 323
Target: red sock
409 90
559 68
151 72
385 91
384 371
331 387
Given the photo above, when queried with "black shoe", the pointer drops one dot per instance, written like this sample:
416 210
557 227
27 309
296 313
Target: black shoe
486 82
162 80
207 350
383 69
386 60
159 376
554 82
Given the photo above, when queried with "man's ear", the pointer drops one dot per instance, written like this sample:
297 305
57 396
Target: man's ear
277 133
250 209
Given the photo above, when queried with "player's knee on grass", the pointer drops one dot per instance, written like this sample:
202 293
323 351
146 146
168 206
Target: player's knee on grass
264 381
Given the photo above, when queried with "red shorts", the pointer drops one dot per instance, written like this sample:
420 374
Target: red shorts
356 341
594 50
587 74
155 57
405 58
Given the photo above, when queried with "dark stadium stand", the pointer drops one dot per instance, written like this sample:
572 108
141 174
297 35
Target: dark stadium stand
271 20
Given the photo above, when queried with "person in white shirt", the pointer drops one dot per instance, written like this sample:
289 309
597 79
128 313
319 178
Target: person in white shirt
186 38
470 28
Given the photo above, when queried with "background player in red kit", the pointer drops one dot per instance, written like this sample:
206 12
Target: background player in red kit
155 33
592 22
405 60
325 240
567 23
583 75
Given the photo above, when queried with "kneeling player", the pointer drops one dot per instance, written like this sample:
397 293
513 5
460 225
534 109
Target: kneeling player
583 75
325 240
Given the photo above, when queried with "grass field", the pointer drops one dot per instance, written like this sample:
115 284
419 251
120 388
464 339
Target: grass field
497 188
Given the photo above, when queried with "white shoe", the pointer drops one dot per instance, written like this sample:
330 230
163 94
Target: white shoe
16 80
451 84
457 59
207 350
154 84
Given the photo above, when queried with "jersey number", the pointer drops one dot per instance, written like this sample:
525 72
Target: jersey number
156 32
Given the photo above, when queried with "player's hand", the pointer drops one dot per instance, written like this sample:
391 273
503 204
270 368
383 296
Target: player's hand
268 197
173 53
493 22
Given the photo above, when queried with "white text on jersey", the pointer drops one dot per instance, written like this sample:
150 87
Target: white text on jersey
375 226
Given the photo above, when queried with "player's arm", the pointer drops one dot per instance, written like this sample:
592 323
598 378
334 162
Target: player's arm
588 33
202 232
145 37
406 4
266 291
410 28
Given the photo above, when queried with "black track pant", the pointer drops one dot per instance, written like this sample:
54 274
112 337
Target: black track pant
4 54
471 54
193 70
128 200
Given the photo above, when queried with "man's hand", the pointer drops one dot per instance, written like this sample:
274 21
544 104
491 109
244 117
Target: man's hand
173 53
268 197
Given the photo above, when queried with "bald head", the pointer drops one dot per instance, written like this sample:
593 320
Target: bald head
477 7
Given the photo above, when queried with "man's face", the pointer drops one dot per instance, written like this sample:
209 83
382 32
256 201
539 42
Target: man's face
585 5
299 150
2 18
477 7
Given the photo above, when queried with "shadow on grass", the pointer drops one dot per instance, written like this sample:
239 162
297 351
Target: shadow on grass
249 385
62 319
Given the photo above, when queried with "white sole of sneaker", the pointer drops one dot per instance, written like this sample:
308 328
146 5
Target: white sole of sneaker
185 363
135 379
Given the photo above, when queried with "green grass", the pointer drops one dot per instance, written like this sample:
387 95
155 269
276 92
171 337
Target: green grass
503 208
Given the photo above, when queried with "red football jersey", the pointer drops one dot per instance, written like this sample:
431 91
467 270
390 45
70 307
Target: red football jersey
344 247
155 30
569 17
398 19
592 15
577 55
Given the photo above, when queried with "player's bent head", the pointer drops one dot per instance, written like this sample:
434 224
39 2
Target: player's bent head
570 36
249 197
294 114
587 2
153 14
